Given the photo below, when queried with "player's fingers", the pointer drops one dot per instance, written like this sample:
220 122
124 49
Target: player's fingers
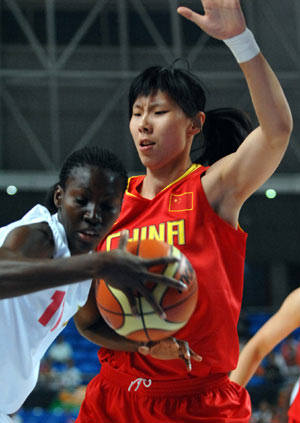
123 239
156 347
173 283
143 349
185 354
144 291
164 349
132 301
160 260
187 361
184 345
195 356
187 351
190 15
171 343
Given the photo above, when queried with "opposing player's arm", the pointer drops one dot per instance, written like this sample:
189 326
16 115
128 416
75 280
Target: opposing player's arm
26 266
92 326
278 327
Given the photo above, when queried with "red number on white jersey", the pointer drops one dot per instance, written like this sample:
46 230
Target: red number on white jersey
57 298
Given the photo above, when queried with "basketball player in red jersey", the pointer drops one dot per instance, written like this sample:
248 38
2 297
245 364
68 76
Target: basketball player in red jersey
278 327
196 208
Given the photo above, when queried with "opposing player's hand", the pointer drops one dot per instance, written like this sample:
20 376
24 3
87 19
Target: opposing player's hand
130 274
222 18
169 349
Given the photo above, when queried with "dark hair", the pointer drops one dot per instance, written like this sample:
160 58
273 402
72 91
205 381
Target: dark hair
87 156
181 85
224 129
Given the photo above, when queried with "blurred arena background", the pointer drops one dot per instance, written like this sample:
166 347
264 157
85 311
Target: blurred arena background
65 68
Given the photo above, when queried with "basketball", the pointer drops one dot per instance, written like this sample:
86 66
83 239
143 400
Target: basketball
178 306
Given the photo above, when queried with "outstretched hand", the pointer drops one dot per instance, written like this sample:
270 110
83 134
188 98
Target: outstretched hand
222 19
171 348
130 274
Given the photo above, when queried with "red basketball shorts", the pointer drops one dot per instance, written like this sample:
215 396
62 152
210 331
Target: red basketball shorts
115 397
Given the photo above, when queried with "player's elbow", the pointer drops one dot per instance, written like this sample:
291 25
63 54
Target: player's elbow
286 127
259 355
282 130
256 349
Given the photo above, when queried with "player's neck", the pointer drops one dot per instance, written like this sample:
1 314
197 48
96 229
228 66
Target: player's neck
156 180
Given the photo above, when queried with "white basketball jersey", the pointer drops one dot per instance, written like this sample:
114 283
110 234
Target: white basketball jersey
30 323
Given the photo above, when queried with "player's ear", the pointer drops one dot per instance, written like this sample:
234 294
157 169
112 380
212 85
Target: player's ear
57 196
197 124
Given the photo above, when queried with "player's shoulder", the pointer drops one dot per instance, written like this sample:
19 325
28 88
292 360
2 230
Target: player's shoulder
36 228
41 234
293 300
34 239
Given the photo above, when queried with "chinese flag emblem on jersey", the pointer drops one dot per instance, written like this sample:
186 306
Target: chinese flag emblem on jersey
181 202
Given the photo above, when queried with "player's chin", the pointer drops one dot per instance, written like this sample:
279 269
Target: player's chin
83 245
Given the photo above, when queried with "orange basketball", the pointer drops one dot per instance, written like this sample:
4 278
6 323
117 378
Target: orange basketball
178 306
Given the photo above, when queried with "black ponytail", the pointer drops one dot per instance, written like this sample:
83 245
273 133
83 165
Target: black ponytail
223 131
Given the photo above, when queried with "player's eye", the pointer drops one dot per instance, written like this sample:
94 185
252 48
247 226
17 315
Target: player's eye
108 207
81 201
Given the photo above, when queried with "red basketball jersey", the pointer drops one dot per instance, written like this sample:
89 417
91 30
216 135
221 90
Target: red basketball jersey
294 410
181 215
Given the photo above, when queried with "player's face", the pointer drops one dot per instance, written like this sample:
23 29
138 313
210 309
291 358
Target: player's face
88 206
160 130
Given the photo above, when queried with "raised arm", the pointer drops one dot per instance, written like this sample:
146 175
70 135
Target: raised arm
238 175
278 327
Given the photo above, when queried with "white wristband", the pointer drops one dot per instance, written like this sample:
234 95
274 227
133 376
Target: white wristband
243 46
